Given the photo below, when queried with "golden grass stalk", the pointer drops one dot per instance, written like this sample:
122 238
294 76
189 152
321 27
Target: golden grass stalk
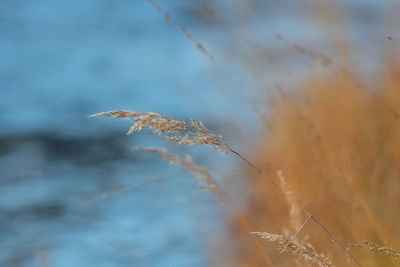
119 189
196 133
193 133
322 59
307 252
206 182
185 32
295 211
377 248
348 179
343 73
203 177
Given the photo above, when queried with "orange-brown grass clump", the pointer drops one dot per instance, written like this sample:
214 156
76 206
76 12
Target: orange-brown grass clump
335 146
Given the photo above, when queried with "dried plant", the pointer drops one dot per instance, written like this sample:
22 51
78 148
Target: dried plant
185 32
377 248
294 207
208 183
307 252
193 133
119 189
204 178
343 73
322 59
321 164
351 176
196 133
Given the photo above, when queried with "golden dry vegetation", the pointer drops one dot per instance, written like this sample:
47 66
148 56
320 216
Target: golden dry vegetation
334 145
324 181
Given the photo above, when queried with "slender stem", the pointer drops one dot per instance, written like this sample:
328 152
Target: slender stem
291 240
245 160
336 241
304 210
246 225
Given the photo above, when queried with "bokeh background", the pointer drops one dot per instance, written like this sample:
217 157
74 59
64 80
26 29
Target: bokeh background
71 191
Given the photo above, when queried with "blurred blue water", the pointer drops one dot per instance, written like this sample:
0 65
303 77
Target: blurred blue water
62 61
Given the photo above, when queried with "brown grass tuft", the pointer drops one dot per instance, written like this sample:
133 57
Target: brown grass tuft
348 178
196 133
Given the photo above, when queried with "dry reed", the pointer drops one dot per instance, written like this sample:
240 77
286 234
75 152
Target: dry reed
206 182
295 211
193 133
377 248
307 252
119 189
349 178
185 32
333 170
203 177
196 133
343 73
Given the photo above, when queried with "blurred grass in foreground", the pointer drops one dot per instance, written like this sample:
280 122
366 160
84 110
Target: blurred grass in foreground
337 145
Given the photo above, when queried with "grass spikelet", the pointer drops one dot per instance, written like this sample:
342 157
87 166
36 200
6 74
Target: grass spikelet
203 177
294 207
121 114
377 248
193 133
349 179
119 189
182 29
342 72
206 182
307 252
322 59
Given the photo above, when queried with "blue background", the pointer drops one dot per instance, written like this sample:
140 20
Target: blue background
64 60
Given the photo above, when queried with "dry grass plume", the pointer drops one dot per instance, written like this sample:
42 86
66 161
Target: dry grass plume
338 147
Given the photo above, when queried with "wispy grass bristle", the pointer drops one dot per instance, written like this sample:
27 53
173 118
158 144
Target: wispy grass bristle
295 210
167 16
119 189
307 252
196 133
193 133
377 248
204 178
